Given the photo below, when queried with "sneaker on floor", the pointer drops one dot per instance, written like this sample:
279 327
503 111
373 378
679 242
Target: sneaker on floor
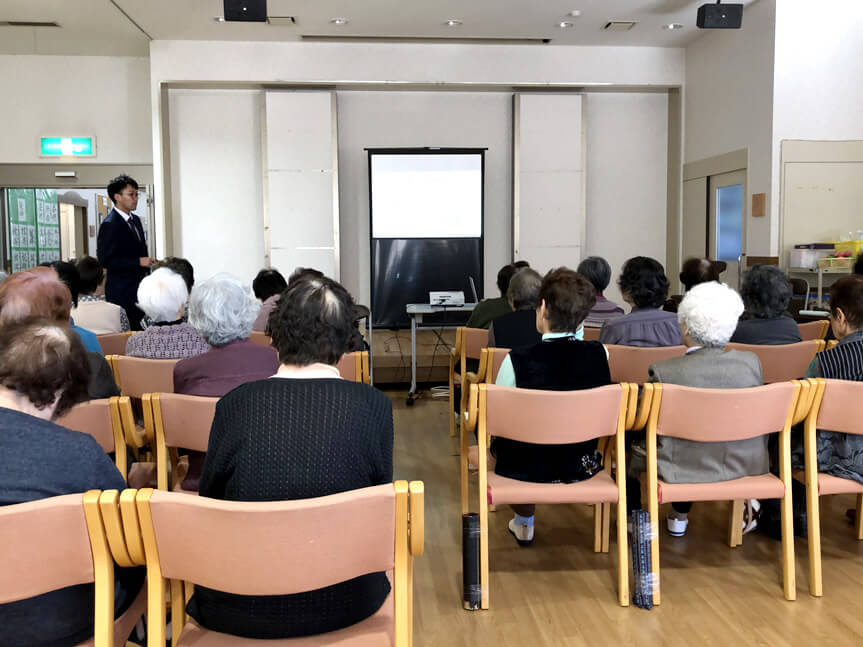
522 532
676 527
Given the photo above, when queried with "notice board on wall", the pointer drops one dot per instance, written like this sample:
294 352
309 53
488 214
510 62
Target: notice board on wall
21 228
47 225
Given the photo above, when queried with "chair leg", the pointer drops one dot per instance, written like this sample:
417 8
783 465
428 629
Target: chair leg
859 521
606 526
788 568
465 479
653 505
735 524
598 514
483 548
813 521
622 557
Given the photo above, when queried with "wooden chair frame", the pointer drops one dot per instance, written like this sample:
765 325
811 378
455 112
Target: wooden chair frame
114 336
117 431
459 354
818 329
361 368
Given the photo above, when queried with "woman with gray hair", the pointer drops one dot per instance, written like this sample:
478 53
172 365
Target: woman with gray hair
518 328
162 297
708 317
766 293
223 310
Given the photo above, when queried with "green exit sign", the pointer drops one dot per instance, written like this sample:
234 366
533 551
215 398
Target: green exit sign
68 146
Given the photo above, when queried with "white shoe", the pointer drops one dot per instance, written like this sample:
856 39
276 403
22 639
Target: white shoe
751 512
522 532
676 527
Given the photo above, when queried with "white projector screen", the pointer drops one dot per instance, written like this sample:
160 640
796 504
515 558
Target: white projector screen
426 196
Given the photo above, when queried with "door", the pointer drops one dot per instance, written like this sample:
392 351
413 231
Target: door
726 233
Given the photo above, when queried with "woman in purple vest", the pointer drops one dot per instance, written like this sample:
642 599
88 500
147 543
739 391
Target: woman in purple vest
560 362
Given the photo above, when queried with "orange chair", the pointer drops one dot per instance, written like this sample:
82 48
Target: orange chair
783 362
813 330
550 418
354 367
332 539
136 376
114 343
834 408
715 415
261 338
100 419
58 542
469 343
632 363
591 334
178 422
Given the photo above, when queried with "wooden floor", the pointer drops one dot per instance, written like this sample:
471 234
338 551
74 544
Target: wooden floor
559 592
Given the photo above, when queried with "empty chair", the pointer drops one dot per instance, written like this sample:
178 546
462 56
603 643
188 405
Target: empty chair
100 419
59 542
469 343
722 415
332 539
113 343
813 330
783 362
354 366
632 363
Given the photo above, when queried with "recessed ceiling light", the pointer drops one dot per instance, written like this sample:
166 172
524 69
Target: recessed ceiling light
565 25
219 19
672 26
452 23
339 21
575 13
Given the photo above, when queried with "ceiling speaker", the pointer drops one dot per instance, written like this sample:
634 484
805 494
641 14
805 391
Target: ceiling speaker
245 10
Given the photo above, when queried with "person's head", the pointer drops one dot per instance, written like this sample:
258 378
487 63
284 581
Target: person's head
313 322
182 267
68 273
695 271
304 273
223 310
523 292
267 283
519 265
643 283
504 275
37 292
766 292
123 192
596 270
565 299
90 275
708 315
162 295
858 264
43 367
846 305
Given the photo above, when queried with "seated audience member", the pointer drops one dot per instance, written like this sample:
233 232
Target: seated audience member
597 270
518 328
223 310
268 287
488 310
560 362
858 264
162 297
93 312
644 286
44 371
304 273
68 273
40 293
766 292
182 267
708 317
695 271
303 433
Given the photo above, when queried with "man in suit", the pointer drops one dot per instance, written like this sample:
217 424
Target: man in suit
122 249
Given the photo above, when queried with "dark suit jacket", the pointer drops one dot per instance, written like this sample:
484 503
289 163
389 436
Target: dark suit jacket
119 252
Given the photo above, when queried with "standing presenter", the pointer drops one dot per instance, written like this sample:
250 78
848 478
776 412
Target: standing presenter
122 249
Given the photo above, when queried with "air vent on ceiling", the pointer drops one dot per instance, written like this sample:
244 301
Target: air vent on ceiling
28 23
282 21
619 25
442 40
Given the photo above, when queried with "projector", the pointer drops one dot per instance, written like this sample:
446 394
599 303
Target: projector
245 10
720 16
446 298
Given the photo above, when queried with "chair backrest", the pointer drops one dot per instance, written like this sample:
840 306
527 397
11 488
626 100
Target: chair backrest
184 421
473 341
632 363
783 362
113 343
136 376
551 417
332 539
261 338
496 357
715 415
837 406
100 419
591 334
351 366
813 330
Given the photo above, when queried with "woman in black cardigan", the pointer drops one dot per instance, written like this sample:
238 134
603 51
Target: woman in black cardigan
303 433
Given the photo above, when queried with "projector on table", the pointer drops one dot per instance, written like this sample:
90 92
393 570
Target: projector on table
446 298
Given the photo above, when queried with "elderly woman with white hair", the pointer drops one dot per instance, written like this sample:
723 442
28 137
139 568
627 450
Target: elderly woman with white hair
223 311
162 297
708 318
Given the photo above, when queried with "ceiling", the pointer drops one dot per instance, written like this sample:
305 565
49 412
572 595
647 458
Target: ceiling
124 27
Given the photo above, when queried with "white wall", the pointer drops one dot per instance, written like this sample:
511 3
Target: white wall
108 97
627 148
729 101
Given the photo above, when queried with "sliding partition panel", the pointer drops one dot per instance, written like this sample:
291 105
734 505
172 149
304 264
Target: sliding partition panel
548 179
302 212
